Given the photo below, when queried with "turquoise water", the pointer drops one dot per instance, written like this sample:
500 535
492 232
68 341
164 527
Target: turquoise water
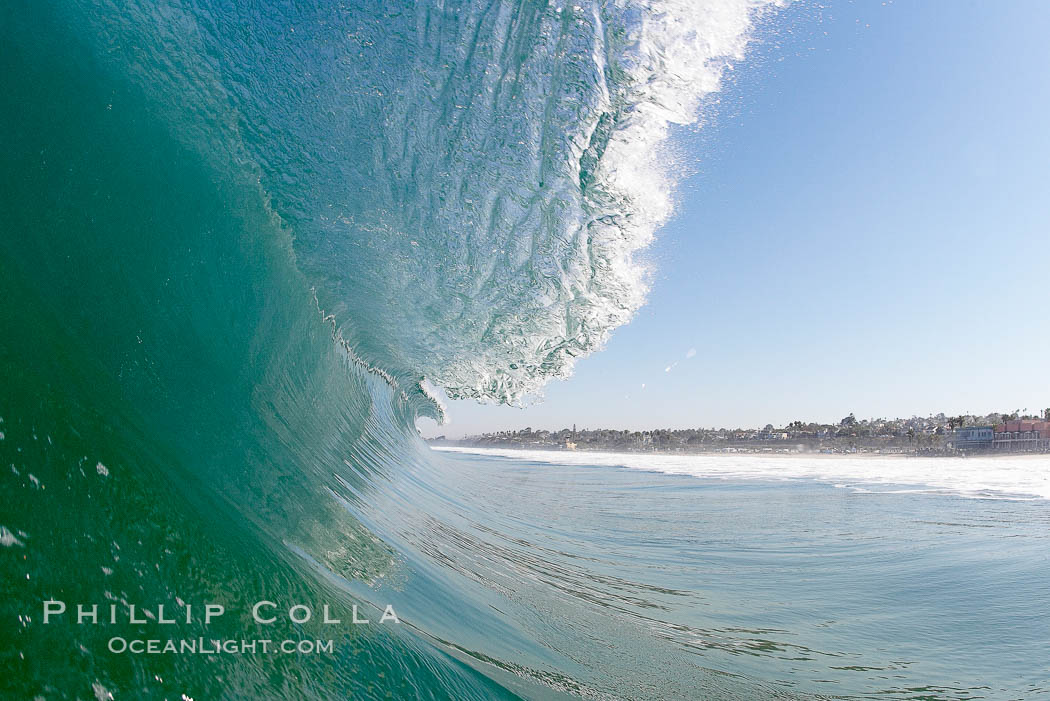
238 245
673 586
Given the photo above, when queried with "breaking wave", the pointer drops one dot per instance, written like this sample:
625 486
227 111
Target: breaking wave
240 245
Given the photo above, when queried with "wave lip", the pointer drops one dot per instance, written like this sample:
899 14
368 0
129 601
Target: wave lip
469 186
564 182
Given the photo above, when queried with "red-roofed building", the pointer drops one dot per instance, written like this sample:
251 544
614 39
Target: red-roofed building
1022 437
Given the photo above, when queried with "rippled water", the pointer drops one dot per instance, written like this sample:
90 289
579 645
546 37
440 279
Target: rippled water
798 586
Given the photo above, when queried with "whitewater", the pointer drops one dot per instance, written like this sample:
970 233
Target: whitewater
984 477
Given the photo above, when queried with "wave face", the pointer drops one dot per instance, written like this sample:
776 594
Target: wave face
236 240
467 183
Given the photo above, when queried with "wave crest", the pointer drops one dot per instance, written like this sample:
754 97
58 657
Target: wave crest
469 184
541 148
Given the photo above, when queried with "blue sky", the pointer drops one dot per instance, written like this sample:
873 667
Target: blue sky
867 230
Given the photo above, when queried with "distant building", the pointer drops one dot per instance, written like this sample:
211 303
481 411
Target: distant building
570 443
1022 437
973 438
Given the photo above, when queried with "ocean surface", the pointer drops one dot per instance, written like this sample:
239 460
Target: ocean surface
241 244
770 577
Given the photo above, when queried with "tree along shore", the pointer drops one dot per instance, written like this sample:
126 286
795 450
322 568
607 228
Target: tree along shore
930 435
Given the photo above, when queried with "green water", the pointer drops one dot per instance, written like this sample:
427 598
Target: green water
154 323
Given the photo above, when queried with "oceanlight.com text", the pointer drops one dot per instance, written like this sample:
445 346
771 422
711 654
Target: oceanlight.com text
203 646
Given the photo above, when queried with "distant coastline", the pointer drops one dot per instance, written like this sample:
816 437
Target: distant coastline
459 446
1006 433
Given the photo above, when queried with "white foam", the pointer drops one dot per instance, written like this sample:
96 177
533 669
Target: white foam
7 538
1012 476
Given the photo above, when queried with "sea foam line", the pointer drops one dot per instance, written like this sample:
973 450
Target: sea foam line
999 477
